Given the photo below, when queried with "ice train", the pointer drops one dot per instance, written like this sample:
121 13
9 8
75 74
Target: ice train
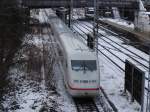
79 62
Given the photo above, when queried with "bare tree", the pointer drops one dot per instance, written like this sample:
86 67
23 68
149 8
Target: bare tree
12 25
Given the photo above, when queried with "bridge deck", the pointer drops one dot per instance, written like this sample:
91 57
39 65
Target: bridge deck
79 3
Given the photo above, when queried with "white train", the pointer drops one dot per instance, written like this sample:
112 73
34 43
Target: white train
79 62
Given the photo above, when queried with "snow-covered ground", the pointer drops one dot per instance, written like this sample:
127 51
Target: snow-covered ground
120 22
78 13
112 81
30 94
34 87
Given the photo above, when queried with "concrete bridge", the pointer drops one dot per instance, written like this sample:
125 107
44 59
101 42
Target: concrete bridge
80 3
147 4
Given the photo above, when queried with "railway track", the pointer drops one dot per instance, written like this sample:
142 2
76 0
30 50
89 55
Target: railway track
120 67
86 105
110 33
114 50
125 36
110 42
82 104
110 53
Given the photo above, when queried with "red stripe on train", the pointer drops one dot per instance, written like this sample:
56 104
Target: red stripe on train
91 89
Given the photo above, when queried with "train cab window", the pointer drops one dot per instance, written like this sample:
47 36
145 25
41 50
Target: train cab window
83 65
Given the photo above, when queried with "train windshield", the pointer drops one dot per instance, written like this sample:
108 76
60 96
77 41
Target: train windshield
83 65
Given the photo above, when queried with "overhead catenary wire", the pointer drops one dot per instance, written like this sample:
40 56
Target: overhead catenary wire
118 49
138 56
109 48
116 64
103 54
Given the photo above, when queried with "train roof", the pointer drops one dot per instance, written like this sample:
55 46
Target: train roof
70 41
74 45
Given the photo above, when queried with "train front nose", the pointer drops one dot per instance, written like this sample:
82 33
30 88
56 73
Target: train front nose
84 78
84 92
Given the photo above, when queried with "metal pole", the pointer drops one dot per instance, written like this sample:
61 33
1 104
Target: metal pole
149 83
94 24
95 32
70 12
148 93
95 27
69 23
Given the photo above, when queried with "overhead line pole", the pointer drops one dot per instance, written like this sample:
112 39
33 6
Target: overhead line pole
95 25
95 33
148 93
70 12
